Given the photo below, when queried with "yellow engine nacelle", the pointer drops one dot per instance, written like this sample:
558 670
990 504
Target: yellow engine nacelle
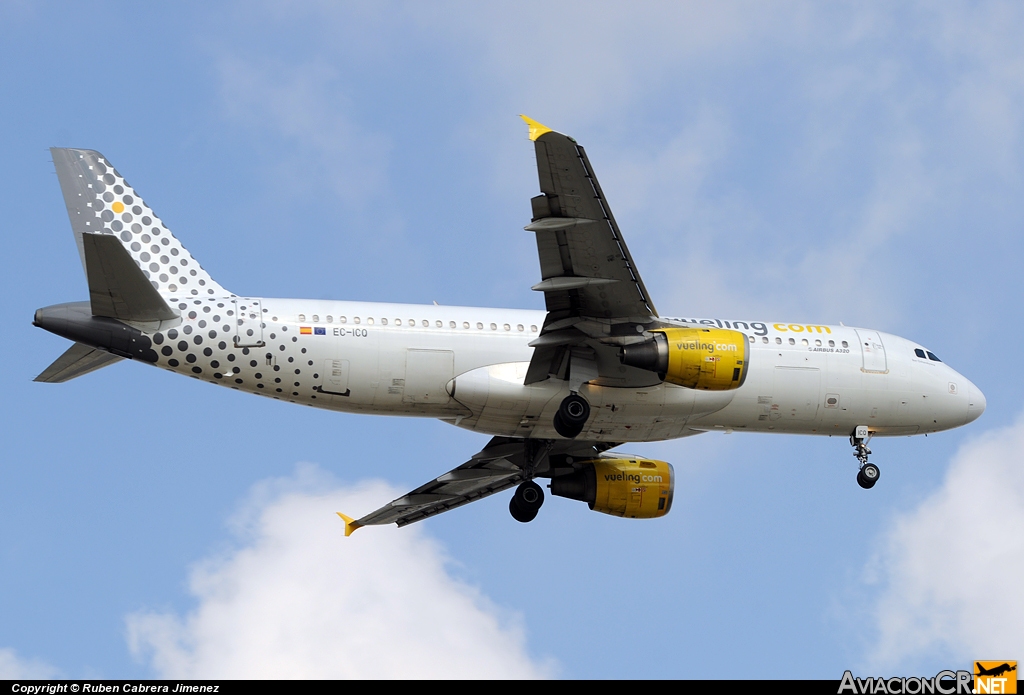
636 488
710 359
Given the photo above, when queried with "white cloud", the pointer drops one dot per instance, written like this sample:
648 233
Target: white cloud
950 570
297 599
12 666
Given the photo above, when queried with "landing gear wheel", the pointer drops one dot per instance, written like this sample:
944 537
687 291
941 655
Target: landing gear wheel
572 416
526 502
868 476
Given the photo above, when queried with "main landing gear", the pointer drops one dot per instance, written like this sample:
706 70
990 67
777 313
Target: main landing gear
868 474
526 502
572 415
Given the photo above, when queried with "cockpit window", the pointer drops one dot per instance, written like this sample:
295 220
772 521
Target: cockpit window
933 358
919 352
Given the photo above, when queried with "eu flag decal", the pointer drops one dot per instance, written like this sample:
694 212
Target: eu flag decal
319 331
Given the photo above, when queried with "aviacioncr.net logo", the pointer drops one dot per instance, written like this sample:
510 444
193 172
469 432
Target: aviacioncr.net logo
943 683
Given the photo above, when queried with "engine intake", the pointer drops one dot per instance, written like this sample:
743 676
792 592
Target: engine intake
635 488
710 359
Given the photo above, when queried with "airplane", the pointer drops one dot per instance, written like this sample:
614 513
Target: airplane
556 390
995 671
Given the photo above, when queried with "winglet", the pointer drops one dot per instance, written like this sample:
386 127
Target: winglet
350 524
536 129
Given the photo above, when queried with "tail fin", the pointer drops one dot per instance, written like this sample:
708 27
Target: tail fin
100 201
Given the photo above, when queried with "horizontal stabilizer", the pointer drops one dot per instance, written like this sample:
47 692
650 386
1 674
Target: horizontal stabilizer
77 360
118 289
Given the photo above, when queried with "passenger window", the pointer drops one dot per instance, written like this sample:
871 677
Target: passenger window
508 327
370 320
479 326
412 322
451 324
398 322
778 341
494 326
519 327
919 352
805 343
355 319
302 317
329 318
383 322
342 319
817 343
846 344
426 324
439 324
465 324
316 319
933 358
792 341
751 339
764 339
831 343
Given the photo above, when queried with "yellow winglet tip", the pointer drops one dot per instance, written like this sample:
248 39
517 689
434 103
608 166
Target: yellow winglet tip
350 524
536 129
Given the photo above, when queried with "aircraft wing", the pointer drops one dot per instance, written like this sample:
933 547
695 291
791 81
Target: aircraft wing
503 463
591 286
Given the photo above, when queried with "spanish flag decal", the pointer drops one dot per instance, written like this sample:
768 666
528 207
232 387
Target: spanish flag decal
305 330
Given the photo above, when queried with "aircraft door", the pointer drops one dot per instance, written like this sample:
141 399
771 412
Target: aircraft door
248 322
873 351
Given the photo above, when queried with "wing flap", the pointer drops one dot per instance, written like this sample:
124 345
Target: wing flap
473 480
77 360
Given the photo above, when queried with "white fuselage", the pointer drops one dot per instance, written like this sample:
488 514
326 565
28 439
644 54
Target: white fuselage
400 359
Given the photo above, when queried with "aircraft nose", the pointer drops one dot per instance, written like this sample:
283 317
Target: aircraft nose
975 403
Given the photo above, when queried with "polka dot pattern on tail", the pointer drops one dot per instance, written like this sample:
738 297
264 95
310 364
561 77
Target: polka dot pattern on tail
102 202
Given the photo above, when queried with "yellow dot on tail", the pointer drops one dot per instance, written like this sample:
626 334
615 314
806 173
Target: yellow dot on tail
118 207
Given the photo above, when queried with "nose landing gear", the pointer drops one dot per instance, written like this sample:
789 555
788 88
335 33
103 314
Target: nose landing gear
526 502
868 474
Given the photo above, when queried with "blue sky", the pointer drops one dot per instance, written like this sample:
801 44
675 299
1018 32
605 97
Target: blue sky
856 163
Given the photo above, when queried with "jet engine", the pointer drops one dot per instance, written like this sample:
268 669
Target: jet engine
635 488
709 359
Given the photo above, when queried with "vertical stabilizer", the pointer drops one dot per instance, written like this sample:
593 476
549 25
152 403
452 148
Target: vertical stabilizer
100 201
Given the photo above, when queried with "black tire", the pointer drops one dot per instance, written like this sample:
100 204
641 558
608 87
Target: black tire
563 429
526 502
868 476
520 515
572 416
